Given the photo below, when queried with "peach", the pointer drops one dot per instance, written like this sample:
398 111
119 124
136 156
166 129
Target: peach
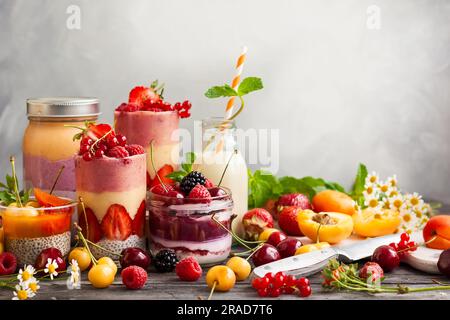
333 201
439 227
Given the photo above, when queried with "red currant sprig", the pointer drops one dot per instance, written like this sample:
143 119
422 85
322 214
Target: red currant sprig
405 245
273 285
183 109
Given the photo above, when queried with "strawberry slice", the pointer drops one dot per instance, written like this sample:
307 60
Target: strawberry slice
162 173
139 221
90 228
48 200
116 224
139 95
99 130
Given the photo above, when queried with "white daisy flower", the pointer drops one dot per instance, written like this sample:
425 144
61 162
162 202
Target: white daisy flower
392 181
392 193
370 190
397 203
373 202
74 280
372 178
385 187
414 200
33 284
22 292
26 274
51 267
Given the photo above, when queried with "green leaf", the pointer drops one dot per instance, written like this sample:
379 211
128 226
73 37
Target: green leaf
190 157
154 84
249 84
358 185
2 185
176 175
9 182
263 186
220 91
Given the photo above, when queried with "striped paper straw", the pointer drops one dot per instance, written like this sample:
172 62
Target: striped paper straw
235 82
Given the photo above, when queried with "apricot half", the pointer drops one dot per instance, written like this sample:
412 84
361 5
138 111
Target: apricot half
331 227
439 227
370 223
333 201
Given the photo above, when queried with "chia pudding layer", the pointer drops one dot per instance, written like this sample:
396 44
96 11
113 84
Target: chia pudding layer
27 249
116 246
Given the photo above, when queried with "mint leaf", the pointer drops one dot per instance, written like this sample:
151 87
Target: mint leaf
358 185
263 186
176 175
249 84
187 166
220 91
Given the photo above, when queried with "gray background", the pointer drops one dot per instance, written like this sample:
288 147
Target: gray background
339 92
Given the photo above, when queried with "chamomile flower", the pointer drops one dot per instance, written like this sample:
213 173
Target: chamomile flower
414 200
392 181
386 204
372 178
33 284
26 274
22 292
397 203
73 281
385 187
370 190
51 267
392 193
373 202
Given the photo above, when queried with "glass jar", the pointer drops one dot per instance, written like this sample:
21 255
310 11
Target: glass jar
192 227
219 149
142 127
48 141
28 230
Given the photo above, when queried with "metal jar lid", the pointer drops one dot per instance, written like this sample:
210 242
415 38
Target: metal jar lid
61 107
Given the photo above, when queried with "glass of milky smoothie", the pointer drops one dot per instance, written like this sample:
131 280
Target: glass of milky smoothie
220 149
48 144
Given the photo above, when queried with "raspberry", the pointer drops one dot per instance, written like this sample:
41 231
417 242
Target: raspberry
118 152
134 277
8 263
128 107
134 149
188 269
200 192
209 184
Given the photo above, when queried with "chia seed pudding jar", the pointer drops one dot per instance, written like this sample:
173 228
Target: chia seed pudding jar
187 226
48 144
27 230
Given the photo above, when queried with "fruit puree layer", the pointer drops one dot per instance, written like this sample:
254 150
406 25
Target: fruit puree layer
141 127
107 181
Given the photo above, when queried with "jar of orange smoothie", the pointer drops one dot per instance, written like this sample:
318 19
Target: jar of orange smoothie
48 145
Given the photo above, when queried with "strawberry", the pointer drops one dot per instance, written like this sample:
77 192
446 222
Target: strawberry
118 152
188 269
116 224
255 221
138 223
294 200
287 221
141 94
200 192
134 149
99 130
162 173
91 229
48 200
159 189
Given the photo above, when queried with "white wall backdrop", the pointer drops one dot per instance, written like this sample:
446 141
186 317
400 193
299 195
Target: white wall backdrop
340 92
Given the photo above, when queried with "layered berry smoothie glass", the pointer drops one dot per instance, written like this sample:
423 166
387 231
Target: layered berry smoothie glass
48 144
187 226
111 182
29 230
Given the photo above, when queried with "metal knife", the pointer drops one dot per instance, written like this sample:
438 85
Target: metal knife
312 262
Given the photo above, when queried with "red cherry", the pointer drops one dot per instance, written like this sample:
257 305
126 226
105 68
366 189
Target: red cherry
134 257
267 253
53 254
87 156
386 257
305 291
276 237
288 246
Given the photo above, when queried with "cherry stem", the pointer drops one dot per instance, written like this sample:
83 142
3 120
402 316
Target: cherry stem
80 200
101 248
226 167
235 236
81 236
254 251
57 178
154 168
16 183
212 290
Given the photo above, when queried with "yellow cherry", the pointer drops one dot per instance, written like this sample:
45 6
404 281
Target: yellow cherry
109 262
81 255
240 267
221 277
101 276
263 236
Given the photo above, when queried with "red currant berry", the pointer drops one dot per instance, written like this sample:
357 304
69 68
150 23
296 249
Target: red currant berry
278 281
86 141
275 292
84 148
404 237
102 146
305 291
269 276
302 282
111 142
87 156
260 283
99 153
177 106
288 290
393 246
412 245
122 140
263 292
290 281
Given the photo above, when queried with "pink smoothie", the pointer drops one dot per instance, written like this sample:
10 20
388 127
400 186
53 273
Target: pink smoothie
141 127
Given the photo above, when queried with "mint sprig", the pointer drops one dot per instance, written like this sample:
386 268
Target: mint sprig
246 86
358 185
9 192
186 168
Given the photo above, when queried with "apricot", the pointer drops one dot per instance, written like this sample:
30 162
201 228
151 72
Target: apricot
334 226
312 247
333 201
370 223
439 227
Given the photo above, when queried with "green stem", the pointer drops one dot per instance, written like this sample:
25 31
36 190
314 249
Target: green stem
238 239
226 167
239 111
6 285
57 178
427 289
16 183
154 168
254 251
101 248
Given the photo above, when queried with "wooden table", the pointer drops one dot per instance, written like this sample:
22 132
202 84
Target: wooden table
168 286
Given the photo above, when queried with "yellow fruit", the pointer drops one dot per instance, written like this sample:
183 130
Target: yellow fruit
263 236
109 262
223 276
240 267
333 201
81 255
370 223
33 204
101 276
312 247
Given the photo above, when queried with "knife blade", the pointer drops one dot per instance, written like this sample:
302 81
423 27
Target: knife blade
312 262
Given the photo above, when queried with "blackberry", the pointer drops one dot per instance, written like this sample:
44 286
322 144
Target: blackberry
165 261
191 180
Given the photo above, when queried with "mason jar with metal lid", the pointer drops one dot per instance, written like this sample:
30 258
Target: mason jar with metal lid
48 142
